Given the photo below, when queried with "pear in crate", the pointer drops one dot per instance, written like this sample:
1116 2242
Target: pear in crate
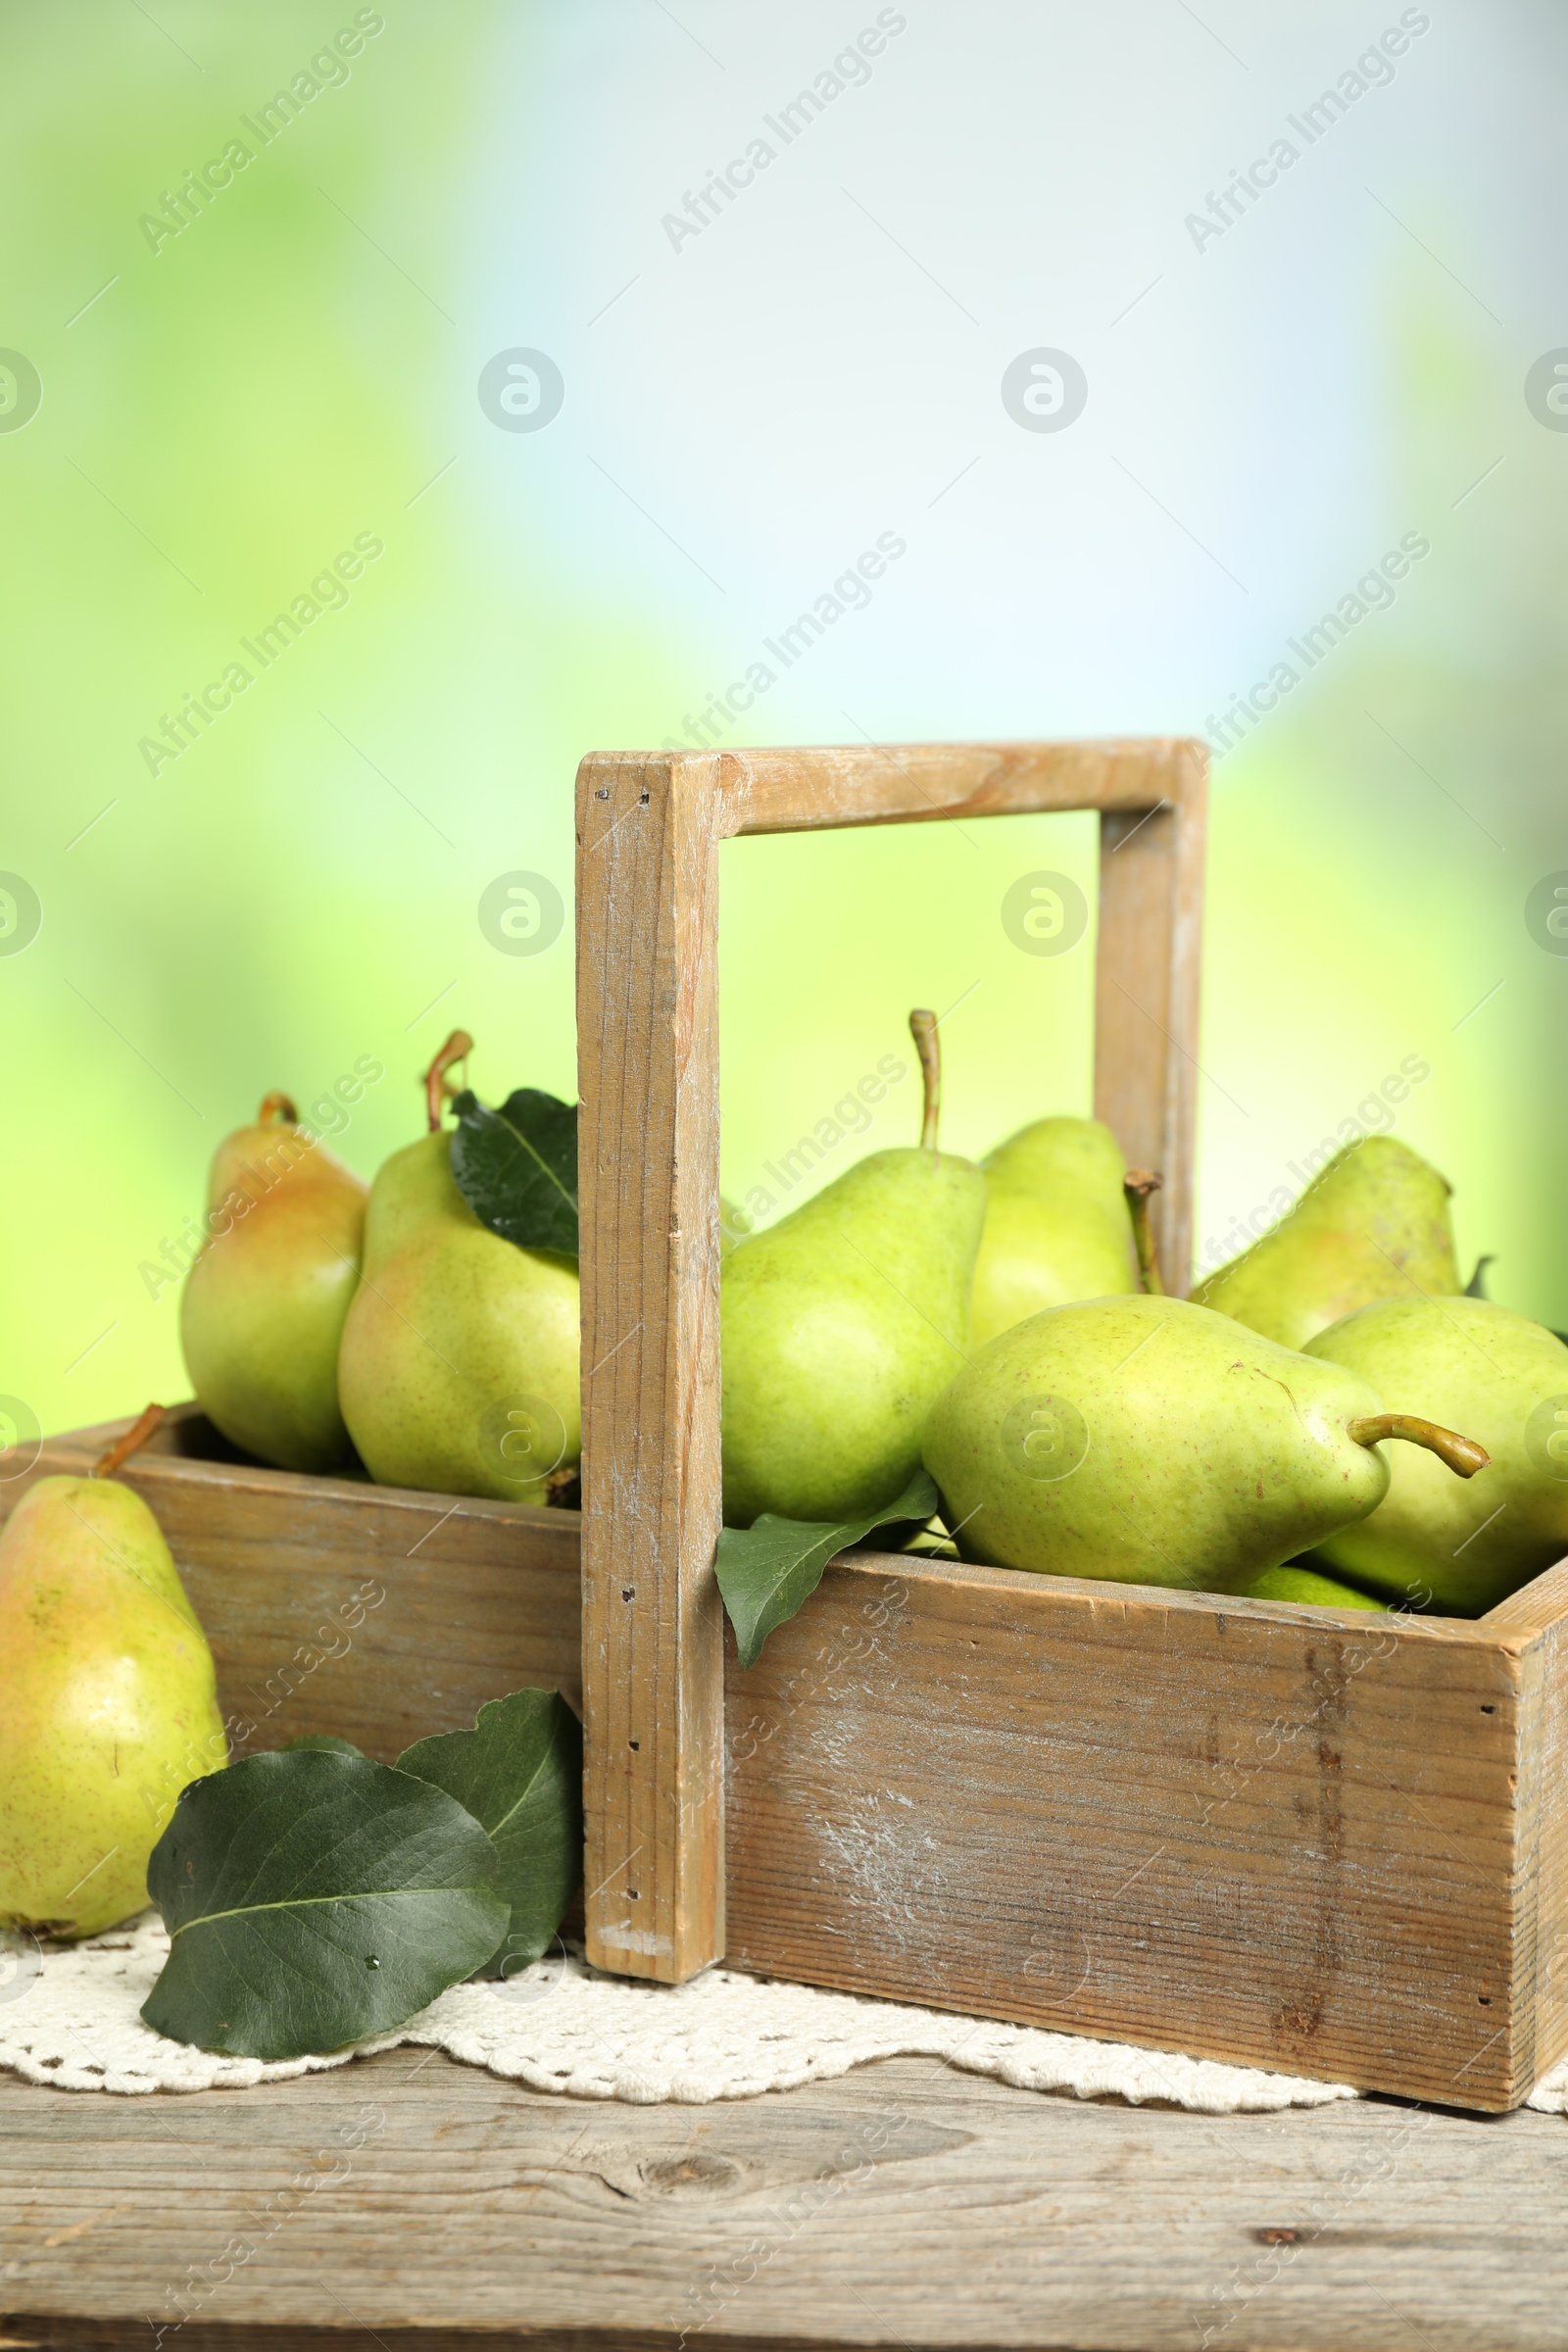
1150 1441
840 1323
1372 1224
1503 1380
459 1363
1056 1224
263 1306
1308 1588
108 1705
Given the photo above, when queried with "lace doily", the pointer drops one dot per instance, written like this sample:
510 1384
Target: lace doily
68 2017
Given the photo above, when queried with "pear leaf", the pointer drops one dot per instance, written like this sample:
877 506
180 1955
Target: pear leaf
328 1741
516 1167
519 1773
768 1571
312 1901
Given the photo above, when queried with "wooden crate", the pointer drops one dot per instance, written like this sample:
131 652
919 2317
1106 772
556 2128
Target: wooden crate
1304 1839
1289 1836
1319 1840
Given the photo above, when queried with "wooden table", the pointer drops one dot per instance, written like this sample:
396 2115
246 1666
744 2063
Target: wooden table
408 2201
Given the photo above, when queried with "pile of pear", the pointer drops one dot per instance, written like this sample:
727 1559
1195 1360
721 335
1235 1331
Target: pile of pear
334 1328
1328 1418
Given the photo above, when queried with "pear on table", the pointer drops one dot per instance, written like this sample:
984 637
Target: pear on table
1056 1223
1372 1224
841 1322
263 1306
458 1367
1505 1380
1148 1441
108 1701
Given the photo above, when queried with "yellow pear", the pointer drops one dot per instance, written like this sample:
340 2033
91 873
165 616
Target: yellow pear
458 1367
1056 1225
841 1322
108 1705
263 1306
1372 1224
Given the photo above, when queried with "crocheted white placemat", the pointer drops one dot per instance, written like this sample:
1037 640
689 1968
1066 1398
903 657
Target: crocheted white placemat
68 2017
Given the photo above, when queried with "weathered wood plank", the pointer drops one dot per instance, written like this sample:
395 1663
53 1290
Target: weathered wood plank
652 1621
794 790
1147 996
1289 1837
408 2201
381 1613
1542 1936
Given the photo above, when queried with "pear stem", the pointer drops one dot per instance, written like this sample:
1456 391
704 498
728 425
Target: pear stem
458 1047
129 1442
1138 1184
924 1030
1463 1455
278 1110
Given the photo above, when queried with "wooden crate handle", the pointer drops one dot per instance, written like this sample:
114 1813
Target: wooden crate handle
649 825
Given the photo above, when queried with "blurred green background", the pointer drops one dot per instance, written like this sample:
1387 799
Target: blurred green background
230 402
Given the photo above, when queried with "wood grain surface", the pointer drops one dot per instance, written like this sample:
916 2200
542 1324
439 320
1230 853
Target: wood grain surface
1147 976
1539 1615
799 791
647 944
652 1620
1289 1837
408 2201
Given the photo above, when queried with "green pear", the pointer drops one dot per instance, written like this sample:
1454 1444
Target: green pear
841 1322
1304 1585
734 1226
1372 1224
459 1363
1504 1381
1150 1441
264 1304
1056 1224
108 1705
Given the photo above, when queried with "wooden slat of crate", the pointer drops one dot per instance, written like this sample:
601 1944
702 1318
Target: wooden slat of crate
1538 1615
1284 1837
648 830
653 1624
477 1597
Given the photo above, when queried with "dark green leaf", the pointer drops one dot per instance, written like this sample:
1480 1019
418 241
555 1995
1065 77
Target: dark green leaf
314 1901
328 1741
518 1772
767 1570
516 1167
